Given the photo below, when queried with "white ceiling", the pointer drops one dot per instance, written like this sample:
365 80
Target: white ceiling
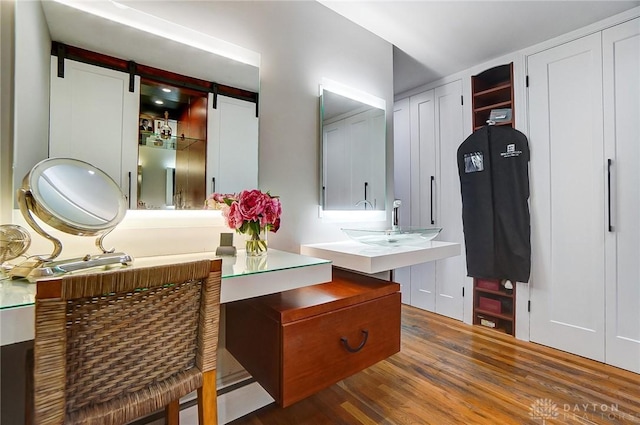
434 39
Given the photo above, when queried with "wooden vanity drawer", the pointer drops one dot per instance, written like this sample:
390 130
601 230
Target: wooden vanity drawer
316 352
298 342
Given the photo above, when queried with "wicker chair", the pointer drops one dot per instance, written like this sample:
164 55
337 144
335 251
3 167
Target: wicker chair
115 346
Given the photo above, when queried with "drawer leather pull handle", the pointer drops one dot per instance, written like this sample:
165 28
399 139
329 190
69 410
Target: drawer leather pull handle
345 342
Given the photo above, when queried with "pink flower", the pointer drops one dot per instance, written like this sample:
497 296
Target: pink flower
216 201
250 211
271 214
252 204
233 215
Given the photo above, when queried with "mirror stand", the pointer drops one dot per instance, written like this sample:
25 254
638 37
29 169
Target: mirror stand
76 198
38 266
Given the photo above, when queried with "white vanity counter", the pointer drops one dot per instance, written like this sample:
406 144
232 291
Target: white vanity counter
242 277
372 259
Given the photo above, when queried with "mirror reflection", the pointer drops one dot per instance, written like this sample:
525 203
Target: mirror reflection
76 193
165 150
172 142
353 153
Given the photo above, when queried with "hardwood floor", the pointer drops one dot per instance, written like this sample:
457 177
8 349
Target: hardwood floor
448 372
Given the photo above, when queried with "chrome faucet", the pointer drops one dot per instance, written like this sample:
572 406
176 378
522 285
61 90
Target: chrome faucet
365 202
394 214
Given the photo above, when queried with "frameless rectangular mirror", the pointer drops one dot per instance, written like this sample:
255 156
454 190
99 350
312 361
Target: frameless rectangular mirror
166 145
353 127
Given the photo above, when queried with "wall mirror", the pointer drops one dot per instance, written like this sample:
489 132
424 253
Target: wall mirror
155 169
353 127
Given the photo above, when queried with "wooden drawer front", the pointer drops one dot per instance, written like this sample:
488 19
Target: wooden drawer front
314 357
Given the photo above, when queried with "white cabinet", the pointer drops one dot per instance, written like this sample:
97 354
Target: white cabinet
621 60
585 297
94 118
232 145
567 197
353 155
402 182
427 183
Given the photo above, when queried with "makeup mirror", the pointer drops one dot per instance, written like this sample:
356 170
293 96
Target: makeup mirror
74 197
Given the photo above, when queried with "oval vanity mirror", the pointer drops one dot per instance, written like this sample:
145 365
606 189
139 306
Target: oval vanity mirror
74 197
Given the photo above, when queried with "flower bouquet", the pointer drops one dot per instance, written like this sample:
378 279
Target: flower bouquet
250 212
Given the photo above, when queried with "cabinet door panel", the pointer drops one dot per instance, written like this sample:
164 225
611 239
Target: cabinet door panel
423 160
436 131
423 286
423 153
336 193
621 58
232 145
567 197
402 182
450 272
359 146
102 133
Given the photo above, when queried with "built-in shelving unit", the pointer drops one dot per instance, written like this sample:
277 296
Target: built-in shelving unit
494 306
492 89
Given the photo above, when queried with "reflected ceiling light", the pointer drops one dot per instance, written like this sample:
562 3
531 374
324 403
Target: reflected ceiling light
166 90
119 5
352 93
144 21
159 102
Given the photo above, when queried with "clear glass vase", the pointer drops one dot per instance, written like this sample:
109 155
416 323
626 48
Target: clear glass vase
256 246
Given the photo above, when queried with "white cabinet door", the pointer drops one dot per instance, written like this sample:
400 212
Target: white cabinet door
423 169
357 128
377 158
353 152
450 272
337 165
232 145
101 133
428 173
567 197
402 182
621 60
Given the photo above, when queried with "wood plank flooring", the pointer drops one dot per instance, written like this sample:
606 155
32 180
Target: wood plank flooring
448 372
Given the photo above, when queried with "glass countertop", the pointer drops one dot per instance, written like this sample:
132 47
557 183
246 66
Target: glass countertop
21 292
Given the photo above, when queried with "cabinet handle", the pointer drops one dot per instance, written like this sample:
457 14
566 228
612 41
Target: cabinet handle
213 185
129 198
433 179
345 342
609 163
366 185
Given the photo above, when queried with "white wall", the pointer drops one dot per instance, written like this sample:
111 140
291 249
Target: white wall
31 105
300 43
7 13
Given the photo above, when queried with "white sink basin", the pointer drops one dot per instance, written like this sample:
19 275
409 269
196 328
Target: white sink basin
399 236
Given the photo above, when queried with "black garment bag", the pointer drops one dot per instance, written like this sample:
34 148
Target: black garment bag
494 182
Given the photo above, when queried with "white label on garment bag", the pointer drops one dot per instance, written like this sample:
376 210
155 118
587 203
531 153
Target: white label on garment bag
511 151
